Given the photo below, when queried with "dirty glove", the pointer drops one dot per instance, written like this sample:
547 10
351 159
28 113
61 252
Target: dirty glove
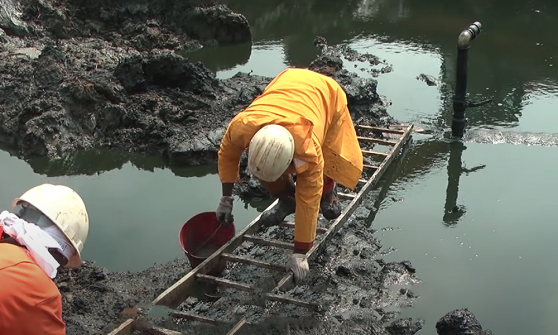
224 210
299 266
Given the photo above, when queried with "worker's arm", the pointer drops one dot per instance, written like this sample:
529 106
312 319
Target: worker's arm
309 188
234 142
46 318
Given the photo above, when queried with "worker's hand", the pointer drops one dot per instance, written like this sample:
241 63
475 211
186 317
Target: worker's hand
224 210
299 266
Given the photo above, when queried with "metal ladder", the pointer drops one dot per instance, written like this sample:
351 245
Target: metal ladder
175 295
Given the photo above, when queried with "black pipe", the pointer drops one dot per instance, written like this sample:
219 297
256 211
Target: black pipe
460 96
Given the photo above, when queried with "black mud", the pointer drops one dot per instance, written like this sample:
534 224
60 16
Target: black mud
81 77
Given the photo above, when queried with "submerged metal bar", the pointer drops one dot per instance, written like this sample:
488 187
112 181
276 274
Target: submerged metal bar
237 327
371 152
160 331
382 130
291 225
250 288
464 40
251 261
271 243
225 282
346 195
126 328
370 167
194 317
377 140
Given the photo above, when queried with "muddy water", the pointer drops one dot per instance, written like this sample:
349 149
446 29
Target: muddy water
478 224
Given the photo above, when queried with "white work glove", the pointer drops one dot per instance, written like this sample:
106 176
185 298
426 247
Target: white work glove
299 266
224 210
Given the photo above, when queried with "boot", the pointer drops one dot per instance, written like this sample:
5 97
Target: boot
329 206
285 207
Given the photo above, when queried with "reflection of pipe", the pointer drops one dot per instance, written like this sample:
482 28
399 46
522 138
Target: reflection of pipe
459 98
452 211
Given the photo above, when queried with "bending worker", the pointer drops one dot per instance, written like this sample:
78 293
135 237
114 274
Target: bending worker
48 232
299 125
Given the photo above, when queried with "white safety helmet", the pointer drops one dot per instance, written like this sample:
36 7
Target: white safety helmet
65 208
270 152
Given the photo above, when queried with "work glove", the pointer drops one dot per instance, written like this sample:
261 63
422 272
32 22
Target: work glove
224 210
299 266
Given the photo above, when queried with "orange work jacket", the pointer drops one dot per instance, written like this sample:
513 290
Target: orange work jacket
30 302
313 107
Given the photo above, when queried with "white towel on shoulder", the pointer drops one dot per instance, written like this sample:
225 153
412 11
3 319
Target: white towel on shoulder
34 238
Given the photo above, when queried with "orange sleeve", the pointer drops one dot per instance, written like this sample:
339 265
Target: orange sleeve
46 318
234 142
309 188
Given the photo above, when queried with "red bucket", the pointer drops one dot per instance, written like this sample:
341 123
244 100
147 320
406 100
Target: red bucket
200 229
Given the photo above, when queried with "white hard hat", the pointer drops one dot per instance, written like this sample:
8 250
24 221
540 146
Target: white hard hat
270 152
65 208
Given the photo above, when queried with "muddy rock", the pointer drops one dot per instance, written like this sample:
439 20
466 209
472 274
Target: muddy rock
95 301
428 79
460 322
404 327
142 24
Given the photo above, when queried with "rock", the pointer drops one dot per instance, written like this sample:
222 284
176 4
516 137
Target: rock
429 80
343 271
11 19
404 327
460 322
217 23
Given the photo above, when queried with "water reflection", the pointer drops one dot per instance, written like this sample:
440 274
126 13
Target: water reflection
98 161
452 211
221 58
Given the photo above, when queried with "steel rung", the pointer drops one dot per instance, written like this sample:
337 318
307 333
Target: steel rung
250 288
377 153
194 317
271 243
224 282
251 261
291 225
373 167
161 331
377 140
346 195
382 130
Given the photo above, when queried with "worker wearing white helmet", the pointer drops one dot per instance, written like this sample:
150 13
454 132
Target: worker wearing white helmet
299 125
47 231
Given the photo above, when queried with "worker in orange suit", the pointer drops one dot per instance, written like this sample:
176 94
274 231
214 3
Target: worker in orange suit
299 125
48 231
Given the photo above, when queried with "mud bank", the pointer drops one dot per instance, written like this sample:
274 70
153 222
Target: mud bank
358 291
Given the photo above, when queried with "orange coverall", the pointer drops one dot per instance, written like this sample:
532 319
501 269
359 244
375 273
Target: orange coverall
313 107
30 302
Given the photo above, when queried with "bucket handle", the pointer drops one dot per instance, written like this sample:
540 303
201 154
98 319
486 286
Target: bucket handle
206 241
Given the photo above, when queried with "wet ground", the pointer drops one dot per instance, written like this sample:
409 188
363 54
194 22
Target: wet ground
511 62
